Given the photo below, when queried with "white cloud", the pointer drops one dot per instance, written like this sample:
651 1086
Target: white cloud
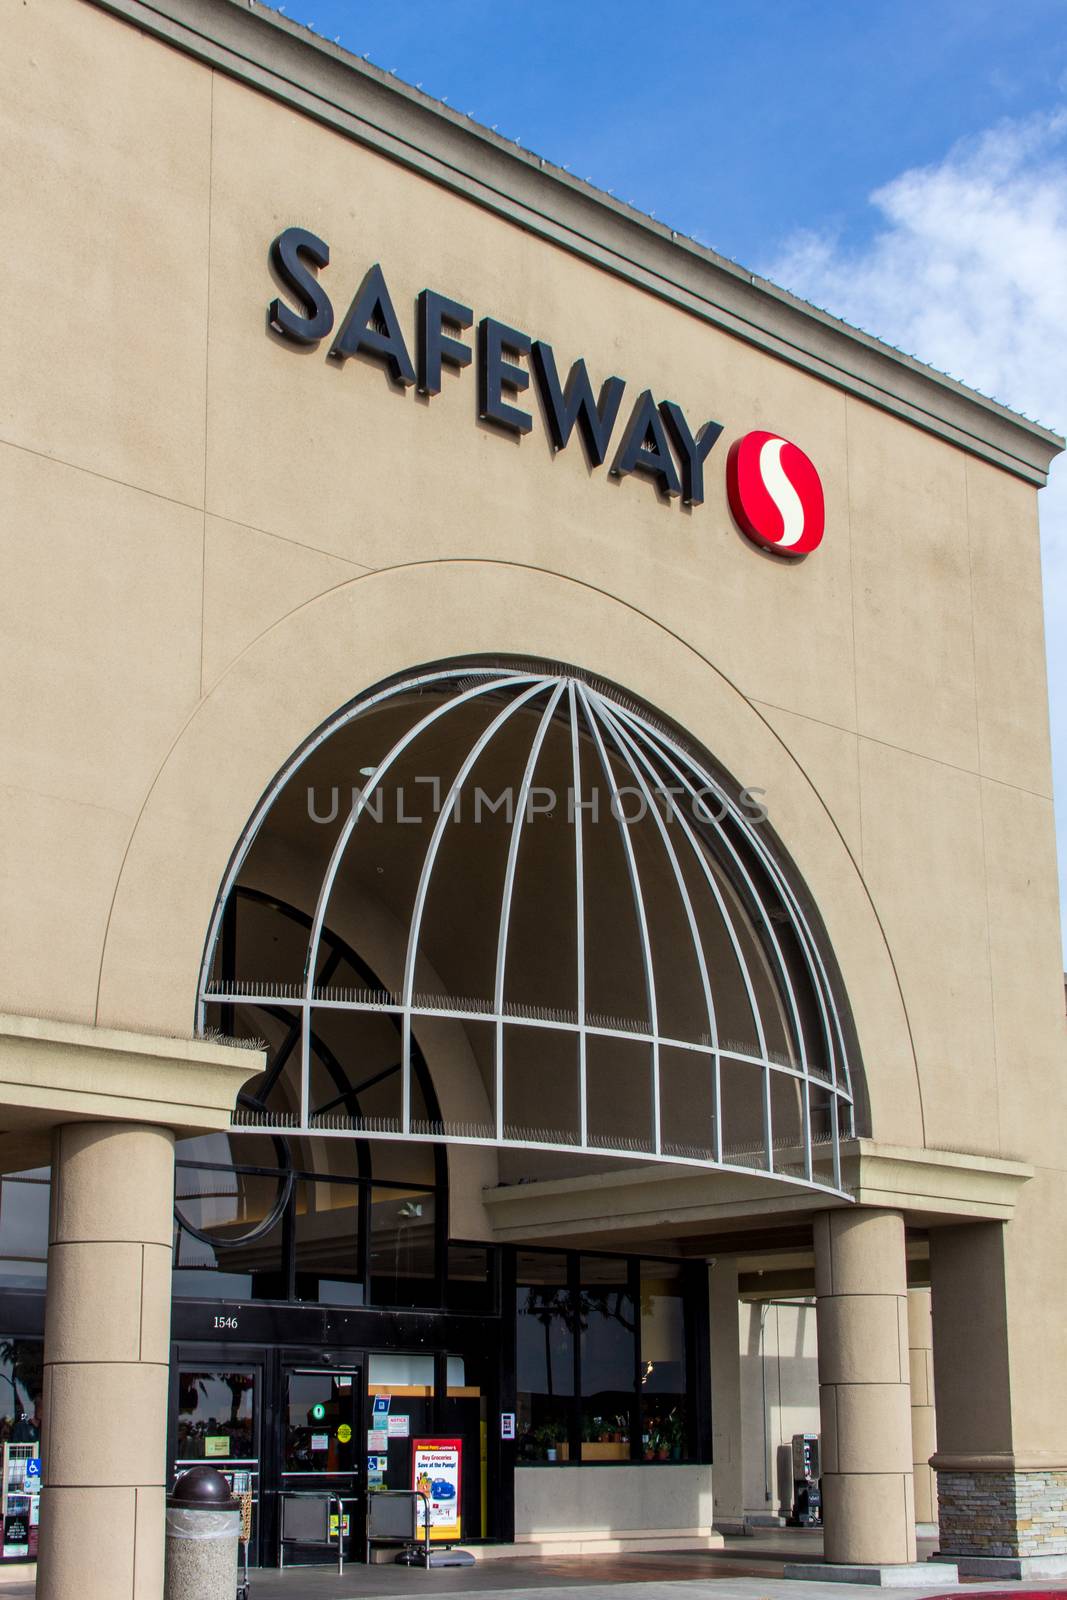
968 270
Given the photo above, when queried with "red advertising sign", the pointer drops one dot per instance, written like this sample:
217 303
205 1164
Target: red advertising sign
436 1472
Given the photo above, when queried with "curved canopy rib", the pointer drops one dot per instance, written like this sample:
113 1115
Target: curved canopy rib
776 1103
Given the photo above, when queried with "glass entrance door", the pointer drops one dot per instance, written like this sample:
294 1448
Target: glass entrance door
322 1450
218 1410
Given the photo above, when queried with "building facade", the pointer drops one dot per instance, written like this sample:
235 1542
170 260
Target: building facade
528 841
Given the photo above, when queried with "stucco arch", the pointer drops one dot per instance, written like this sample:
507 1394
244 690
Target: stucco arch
298 672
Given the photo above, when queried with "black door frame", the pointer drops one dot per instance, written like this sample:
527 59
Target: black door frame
362 1334
330 1363
208 1357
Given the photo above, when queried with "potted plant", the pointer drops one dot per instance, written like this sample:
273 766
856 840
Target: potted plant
549 1437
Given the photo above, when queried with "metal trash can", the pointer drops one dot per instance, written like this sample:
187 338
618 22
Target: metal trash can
203 1530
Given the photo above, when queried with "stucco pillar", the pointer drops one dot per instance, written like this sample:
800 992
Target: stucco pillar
1002 1503
727 1477
107 1326
923 1416
862 1309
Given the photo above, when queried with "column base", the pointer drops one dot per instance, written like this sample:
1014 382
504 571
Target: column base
1005 1516
1008 1566
891 1575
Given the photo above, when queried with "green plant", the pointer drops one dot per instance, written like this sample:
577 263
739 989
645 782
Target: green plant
549 1435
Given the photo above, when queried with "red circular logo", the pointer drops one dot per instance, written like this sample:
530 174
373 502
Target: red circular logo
775 494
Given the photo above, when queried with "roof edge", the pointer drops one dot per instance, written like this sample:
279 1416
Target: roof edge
280 58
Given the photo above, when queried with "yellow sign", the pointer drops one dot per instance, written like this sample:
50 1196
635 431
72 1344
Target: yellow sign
216 1444
344 1433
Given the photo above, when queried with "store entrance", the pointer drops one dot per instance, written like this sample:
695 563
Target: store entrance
276 1423
287 1421
321 1448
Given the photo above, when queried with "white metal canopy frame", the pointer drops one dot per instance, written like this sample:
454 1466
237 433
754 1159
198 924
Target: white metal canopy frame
607 923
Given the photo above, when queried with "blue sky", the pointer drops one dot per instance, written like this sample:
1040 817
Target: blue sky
903 165
736 123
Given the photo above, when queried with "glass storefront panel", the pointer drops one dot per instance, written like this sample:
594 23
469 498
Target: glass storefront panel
20 1434
664 1417
621 1395
326 1242
322 1423
21 1386
399 1387
465 1416
230 1244
24 1229
403 1255
217 1415
608 1356
544 1357
470 1278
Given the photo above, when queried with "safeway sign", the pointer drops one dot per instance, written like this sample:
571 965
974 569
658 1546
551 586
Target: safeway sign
773 488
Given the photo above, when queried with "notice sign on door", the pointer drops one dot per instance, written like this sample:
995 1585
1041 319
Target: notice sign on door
435 1472
17 1534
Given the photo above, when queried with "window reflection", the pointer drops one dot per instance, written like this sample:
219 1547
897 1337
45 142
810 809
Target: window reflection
326 1242
21 1386
403 1247
608 1357
216 1415
600 1366
545 1356
24 1229
664 1418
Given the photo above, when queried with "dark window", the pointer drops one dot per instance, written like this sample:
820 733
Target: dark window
21 1363
287 1215
326 1242
229 1242
608 1358
403 1247
545 1357
601 1358
24 1229
470 1279
664 1421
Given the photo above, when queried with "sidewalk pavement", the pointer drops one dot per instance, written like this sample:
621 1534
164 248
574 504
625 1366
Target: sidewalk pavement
746 1569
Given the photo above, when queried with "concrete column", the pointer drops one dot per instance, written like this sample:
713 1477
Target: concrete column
862 1309
1000 1359
728 1489
923 1417
107 1327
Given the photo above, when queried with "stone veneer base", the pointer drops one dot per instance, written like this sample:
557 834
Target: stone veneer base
1003 1516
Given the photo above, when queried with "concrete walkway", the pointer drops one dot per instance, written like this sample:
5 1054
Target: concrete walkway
495 1584
747 1569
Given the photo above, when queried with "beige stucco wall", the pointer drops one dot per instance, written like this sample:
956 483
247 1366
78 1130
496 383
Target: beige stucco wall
600 1504
212 541
779 1397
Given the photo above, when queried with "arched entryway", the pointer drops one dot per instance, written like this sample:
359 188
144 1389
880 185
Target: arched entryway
595 926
